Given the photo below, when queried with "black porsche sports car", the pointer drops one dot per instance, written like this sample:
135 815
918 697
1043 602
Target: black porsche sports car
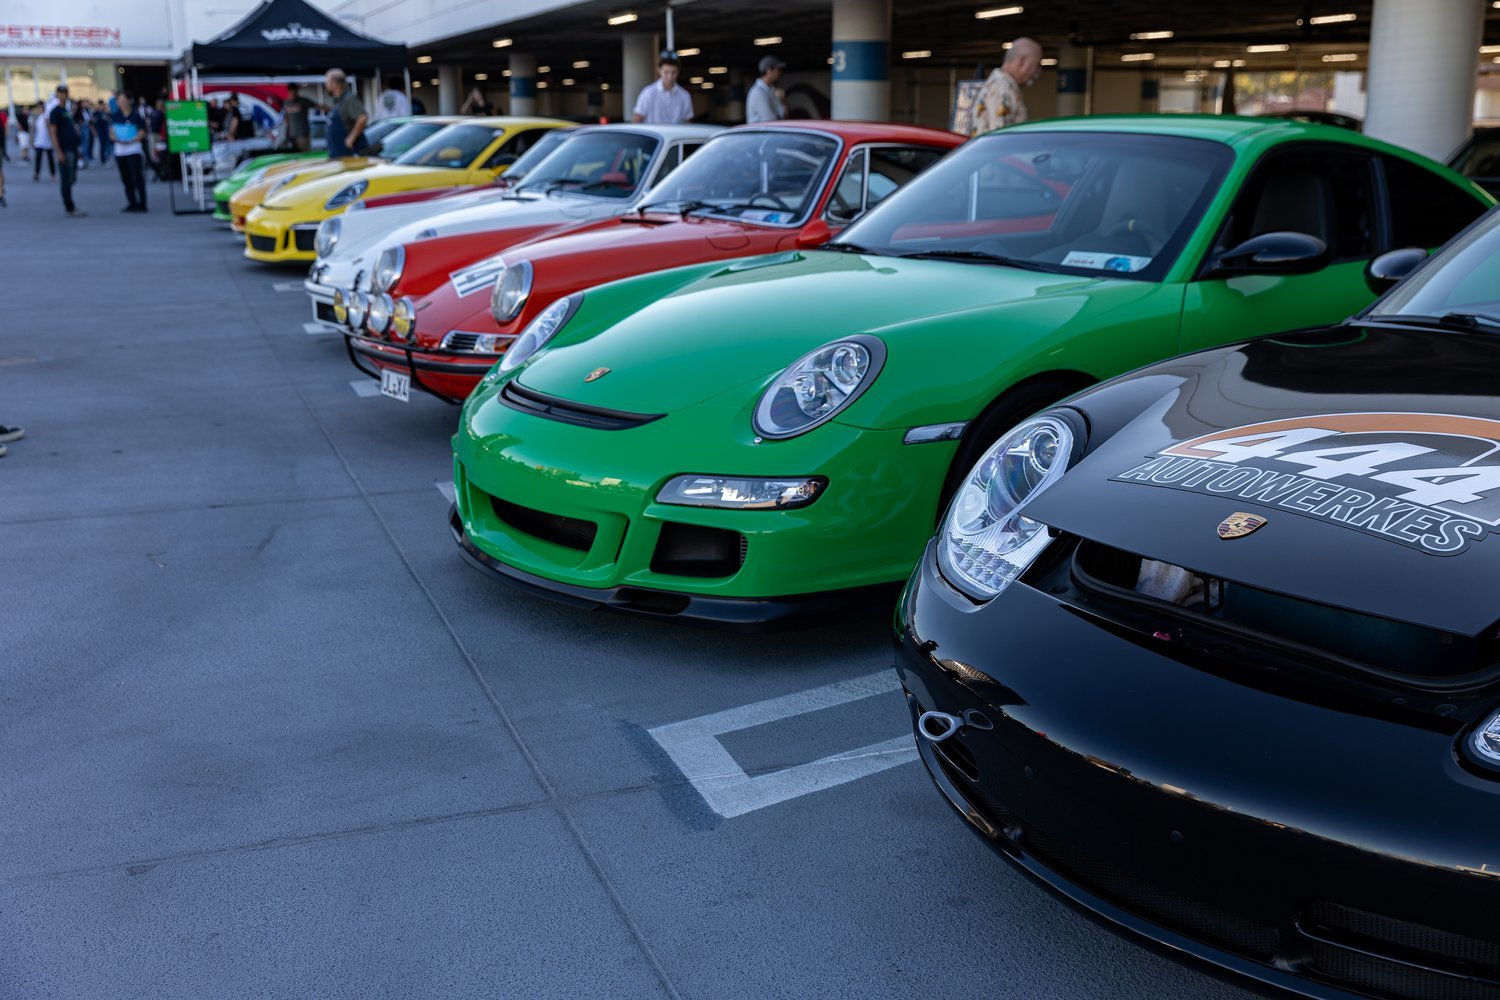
1212 651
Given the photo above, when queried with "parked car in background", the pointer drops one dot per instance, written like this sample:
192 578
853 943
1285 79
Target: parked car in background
1242 598
764 440
1479 159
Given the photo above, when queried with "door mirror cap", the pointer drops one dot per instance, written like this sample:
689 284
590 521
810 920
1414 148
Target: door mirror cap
1382 273
814 234
1275 253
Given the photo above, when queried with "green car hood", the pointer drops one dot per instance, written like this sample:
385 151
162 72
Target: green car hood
748 320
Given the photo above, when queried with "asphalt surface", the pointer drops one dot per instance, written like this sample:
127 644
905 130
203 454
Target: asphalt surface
264 734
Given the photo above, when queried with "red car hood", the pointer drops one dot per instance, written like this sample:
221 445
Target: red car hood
593 254
430 262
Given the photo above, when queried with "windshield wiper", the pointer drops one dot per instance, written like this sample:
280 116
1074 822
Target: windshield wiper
1456 322
846 247
979 257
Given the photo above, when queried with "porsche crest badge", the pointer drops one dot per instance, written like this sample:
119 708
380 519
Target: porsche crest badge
596 374
1239 524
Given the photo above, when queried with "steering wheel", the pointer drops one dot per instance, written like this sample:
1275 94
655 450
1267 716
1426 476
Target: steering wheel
1153 238
773 199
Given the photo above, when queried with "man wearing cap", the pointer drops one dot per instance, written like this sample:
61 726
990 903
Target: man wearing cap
664 102
64 136
763 103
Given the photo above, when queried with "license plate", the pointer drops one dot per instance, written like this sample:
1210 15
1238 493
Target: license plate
395 385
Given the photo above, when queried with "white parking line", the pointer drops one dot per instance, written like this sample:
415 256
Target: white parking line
286 286
445 487
314 328
694 747
365 387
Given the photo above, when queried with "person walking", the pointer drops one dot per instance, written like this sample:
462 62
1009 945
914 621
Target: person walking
64 137
238 123
476 104
23 132
1000 102
294 119
347 120
83 122
41 143
9 434
127 126
103 117
764 102
392 102
663 102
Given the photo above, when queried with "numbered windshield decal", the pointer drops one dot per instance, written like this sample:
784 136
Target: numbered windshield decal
1430 481
1101 261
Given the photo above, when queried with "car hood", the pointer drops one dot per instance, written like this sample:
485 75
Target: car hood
747 320
1406 547
500 214
382 178
363 234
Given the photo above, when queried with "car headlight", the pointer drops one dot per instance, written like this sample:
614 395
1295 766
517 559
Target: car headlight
340 306
817 386
511 290
329 231
540 330
987 540
345 195
741 493
359 305
378 313
280 183
388 268
404 319
1485 742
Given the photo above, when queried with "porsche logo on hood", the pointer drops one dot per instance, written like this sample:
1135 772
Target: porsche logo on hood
1428 481
597 373
1239 524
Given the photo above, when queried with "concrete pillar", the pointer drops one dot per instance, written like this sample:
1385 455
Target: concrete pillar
1072 80
862 59
639 55
1424 61
450 87
522 83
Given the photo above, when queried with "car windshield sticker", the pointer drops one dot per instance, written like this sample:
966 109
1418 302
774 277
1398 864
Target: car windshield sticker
1429 481
477 276
1100 261
765 215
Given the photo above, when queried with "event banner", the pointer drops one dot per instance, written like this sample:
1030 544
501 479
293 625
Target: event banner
187 127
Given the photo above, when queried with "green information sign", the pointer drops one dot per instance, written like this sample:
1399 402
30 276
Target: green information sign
187 127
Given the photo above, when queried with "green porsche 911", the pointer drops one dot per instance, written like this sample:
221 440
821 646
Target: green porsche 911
755 443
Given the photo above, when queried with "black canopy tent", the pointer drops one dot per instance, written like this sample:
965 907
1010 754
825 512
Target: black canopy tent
291 36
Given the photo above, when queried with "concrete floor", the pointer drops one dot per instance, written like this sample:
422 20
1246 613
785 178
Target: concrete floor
262 733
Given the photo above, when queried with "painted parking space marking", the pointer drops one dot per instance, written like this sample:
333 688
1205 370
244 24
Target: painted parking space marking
286 286
694 747
445 487
365 388
314 328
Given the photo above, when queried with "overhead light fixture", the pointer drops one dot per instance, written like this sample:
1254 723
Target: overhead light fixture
684 53
1049 62
622 18
717 70
505 72
581 64
568 81
415 84
604 86
769 40
1283 47
1007 46
830 60
500 43
1341 57
708 85
917 54
1138 57
1221 64
481 76
695 79
541 85
1489 49
424 59
1147 36
435 82
1333 19
1239 62
985 15
544 69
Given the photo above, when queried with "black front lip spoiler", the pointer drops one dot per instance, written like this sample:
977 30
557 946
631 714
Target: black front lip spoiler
354 344
727 614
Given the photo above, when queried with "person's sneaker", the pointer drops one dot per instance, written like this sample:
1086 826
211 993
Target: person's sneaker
2 202
11 433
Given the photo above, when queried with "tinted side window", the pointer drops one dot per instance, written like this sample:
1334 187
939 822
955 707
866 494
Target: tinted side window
892 166
673 158
1324 193
1426 211
848 196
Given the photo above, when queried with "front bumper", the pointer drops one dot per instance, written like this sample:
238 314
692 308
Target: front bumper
1284 838
448 375
275 240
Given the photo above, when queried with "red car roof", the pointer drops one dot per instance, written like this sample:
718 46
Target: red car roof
852 132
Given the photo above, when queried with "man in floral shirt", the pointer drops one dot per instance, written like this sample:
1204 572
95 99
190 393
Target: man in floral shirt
1000 103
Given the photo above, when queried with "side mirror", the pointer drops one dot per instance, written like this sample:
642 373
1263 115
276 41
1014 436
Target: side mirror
814 234
1390 267
1275 253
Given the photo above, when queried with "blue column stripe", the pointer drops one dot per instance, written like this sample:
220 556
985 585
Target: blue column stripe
523 86
861 60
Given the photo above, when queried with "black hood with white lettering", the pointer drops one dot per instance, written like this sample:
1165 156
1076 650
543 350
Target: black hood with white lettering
1367 459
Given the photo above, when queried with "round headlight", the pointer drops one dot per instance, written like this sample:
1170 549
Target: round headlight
511 290
345 195
388 268
327 237
378 315
340 306
987 540
404 319
359 306
818 386
540 330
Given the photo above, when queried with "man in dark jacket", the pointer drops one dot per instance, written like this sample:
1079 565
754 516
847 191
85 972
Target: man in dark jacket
64 135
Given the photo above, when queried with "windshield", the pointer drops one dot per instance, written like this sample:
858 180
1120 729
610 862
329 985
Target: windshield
769 177
1069 202
1464 277
603 164
544 147
400 138
456 146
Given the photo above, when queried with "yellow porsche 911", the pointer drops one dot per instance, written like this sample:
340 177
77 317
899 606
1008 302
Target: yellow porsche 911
279 176
474 151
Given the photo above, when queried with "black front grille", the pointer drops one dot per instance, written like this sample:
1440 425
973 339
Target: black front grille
693 550
1393 979
1404 937
1371 950
222 205
539 404
461 341
324 312
303 238
265 244
570 532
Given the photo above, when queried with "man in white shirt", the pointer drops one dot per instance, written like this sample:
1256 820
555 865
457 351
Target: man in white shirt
763 103
664 102
392 103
